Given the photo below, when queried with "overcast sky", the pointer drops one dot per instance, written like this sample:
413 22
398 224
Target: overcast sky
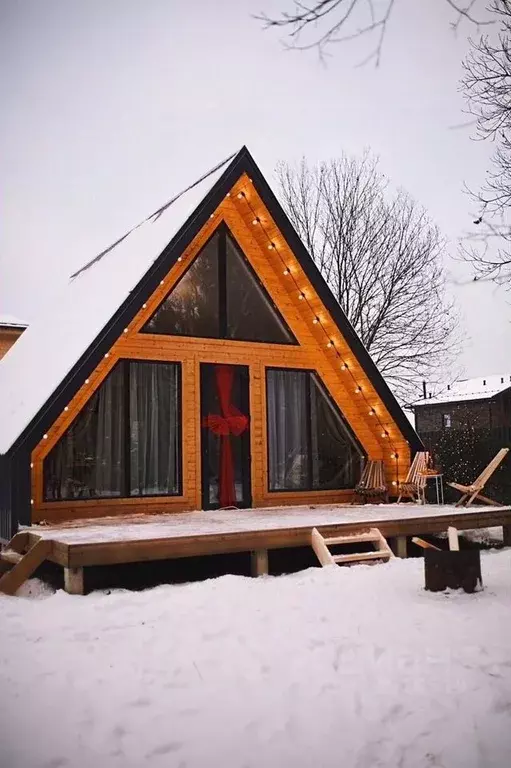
111 106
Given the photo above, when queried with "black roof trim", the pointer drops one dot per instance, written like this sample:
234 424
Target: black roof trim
242 162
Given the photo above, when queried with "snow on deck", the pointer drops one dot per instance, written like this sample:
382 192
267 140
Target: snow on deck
331 667
207 523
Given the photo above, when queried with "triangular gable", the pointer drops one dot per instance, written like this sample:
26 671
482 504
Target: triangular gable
242 165
220 297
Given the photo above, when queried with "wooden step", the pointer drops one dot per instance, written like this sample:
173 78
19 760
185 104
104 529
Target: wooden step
10 556
11 581
353 538
361 556
321 546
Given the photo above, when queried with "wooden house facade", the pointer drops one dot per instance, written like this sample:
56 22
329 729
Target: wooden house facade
10 331
225 374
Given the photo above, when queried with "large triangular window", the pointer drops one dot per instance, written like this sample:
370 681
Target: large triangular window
220 296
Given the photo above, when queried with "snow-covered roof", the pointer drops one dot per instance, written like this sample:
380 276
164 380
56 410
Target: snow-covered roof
479 388
50 347
10 321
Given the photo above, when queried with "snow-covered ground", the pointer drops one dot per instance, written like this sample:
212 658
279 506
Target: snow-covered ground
344 667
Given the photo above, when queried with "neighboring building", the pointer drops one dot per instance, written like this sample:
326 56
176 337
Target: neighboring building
199 362
10 331
483 402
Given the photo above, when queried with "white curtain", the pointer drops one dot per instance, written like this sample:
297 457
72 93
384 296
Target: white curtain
287 429
154 427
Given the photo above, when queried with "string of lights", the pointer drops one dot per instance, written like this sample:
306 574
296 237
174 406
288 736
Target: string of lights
330 344
317 321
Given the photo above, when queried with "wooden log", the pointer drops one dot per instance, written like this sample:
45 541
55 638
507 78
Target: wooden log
259 562
424 544
73 581
453 570
452 535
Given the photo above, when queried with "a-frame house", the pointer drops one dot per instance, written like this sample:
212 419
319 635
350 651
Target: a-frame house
200 362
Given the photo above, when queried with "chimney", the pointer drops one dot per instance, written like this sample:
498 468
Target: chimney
430 395
448 386
501 379
484 382
424 394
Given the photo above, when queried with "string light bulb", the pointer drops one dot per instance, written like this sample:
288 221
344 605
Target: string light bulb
385 433
286 271
180 258
257 220
372 412
330 344
358 389
394 456
315 321
301 296
240 195
271 245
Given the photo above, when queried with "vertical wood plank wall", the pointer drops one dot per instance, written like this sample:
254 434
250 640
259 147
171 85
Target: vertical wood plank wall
311 353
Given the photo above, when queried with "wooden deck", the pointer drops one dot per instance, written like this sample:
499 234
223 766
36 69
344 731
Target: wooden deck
140 538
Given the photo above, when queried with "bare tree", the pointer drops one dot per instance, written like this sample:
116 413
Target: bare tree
320 23
487 87
382 258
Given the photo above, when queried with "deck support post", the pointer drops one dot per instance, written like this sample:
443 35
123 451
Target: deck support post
400 546
506 535
73 581
259 562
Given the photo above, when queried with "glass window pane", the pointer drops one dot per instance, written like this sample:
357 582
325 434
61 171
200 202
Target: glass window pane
191 308
310 446
251 315
288 449
154 429
335 455
87 462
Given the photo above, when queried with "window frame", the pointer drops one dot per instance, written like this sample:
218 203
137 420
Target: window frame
336 408
223 231
125 494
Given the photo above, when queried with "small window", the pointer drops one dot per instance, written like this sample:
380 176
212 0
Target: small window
446 420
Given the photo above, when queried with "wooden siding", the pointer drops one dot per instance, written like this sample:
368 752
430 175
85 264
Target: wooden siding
8 336
311 353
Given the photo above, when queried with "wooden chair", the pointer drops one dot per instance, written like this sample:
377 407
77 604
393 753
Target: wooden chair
414 483
473 492
372 482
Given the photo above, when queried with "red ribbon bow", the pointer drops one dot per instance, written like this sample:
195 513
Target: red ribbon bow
230 422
